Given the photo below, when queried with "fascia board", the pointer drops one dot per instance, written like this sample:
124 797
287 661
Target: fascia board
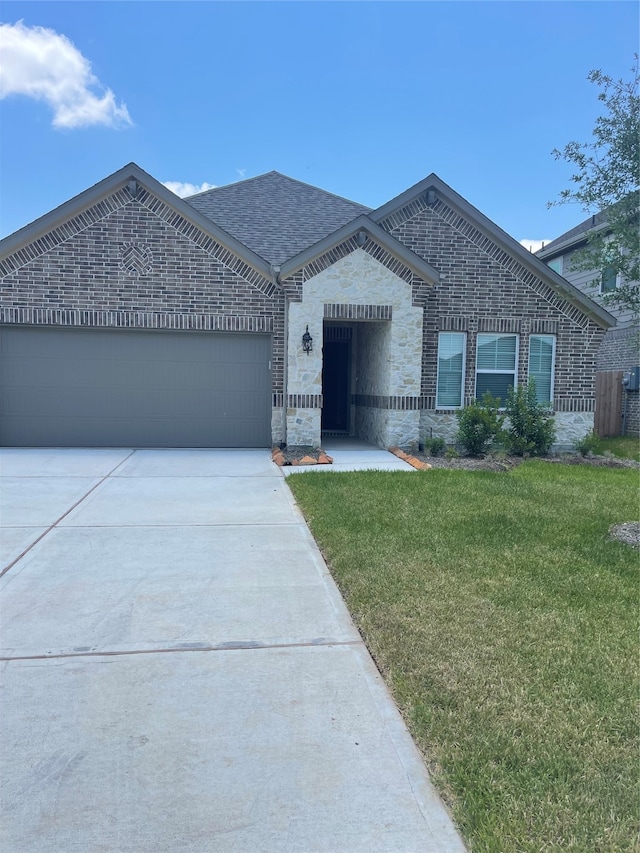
106 187
572 243
361 223
594 311
404 198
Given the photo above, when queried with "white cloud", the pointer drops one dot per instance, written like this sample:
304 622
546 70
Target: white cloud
241 172
533 245
186 189
41 64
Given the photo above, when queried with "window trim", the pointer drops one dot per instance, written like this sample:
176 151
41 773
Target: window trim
516 357
463 372
554 339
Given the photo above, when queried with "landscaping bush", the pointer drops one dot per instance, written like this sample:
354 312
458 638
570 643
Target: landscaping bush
531 429
434 446
480 425
589 444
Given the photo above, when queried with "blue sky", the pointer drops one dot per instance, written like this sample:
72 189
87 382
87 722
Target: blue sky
363 99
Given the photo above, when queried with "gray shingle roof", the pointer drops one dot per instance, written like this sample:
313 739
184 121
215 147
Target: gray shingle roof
575 234
274 215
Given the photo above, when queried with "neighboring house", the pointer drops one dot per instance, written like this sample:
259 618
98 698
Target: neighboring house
270 311
619 348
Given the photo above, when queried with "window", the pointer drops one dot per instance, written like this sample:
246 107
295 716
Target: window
496 360
451 353
542 356
608 280
556 265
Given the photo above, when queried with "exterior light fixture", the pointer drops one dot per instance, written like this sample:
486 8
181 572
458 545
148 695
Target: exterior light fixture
307 342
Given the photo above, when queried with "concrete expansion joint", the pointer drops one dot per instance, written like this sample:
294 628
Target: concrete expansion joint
241 645
64 515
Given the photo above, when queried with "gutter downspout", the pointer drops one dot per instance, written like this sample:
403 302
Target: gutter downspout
275 278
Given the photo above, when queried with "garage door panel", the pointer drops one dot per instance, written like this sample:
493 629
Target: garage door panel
130 388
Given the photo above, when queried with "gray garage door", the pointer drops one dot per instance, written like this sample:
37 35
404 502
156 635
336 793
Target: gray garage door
107 388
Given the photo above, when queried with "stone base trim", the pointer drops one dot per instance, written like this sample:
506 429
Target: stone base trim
136 320
338 311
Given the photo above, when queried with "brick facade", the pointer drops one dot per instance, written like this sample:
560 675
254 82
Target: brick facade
138 262
483 289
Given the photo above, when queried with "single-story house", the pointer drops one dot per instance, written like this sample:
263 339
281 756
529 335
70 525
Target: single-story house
270 310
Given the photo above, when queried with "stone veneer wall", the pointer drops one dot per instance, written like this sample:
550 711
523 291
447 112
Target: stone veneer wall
373 361
128 263
570 427
355 279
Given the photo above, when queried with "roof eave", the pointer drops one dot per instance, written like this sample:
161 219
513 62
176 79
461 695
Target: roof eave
532 262
56 217
362 223
575 242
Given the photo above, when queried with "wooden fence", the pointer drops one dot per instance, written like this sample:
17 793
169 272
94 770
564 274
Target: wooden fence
608 415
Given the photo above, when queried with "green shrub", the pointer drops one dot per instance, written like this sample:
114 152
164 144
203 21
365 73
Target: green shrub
531 429
480 425
589 444
434 446
451 453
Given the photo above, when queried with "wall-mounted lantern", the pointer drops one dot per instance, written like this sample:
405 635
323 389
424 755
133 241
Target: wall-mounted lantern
307 342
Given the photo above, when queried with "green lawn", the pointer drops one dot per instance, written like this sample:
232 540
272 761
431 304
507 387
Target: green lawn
505 622
627 447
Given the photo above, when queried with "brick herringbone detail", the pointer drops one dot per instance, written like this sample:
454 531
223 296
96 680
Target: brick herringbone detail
136 259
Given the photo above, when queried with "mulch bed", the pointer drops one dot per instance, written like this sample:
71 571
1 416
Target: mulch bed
301 454
308 455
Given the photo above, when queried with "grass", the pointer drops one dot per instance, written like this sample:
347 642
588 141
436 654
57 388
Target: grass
624 446
505 622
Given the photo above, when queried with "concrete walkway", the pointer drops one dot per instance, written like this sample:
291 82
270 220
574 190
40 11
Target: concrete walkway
351 454
179 671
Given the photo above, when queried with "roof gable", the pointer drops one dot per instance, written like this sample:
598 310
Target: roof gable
432 190
358 232
274 215
67 219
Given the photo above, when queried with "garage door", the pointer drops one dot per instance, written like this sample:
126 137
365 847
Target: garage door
107 388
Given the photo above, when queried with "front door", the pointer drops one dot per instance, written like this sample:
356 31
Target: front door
335 384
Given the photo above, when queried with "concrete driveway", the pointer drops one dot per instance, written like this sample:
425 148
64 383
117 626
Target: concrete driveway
179 672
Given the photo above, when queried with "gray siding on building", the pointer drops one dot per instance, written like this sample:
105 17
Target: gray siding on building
584 281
